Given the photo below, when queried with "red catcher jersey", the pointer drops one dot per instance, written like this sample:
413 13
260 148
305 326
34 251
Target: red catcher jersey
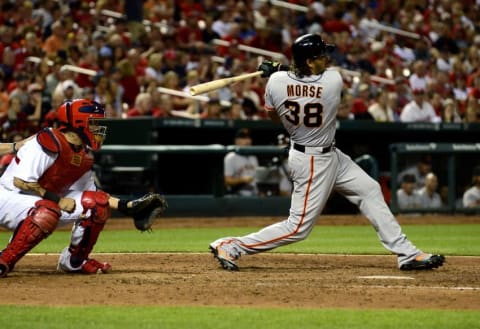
68 167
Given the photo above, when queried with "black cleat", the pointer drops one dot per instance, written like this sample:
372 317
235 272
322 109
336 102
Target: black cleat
424 262
223 257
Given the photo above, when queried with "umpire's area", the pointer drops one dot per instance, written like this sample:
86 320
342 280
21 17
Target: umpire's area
265 280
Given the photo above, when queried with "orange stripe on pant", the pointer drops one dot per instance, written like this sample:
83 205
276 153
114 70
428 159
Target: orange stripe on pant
305 203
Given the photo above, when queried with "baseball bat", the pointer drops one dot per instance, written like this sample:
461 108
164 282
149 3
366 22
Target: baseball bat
220 83
181 94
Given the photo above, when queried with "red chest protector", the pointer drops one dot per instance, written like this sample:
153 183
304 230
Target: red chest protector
69 165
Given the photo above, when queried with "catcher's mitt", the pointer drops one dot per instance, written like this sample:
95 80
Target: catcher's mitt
145 209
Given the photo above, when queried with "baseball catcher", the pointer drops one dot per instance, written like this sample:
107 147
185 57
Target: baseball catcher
50 183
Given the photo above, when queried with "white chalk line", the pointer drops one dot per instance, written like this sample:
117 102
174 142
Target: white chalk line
419 287
387 277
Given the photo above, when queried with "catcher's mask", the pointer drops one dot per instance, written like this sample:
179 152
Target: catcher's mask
83 116
308 46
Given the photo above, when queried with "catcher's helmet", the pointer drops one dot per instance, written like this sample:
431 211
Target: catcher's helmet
80 115
309 46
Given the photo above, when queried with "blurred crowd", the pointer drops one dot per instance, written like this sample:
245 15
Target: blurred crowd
401 60
419 189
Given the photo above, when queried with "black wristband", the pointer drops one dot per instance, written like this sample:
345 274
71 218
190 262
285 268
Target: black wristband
51 196
283 67
14 150
122 205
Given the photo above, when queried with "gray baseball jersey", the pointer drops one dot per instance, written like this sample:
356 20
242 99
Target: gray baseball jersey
307 108
307 121
238 165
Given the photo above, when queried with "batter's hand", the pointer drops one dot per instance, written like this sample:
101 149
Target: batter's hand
268 68
67 204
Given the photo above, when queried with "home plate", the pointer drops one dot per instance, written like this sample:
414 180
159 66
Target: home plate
385 277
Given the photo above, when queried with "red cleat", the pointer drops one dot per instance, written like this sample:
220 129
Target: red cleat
91 266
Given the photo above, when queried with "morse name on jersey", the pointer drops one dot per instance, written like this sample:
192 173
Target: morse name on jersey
300 90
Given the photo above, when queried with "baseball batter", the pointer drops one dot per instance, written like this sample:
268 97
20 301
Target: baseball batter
305 100
50 183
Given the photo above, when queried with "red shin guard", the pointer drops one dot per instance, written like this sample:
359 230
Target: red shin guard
97 202
41 221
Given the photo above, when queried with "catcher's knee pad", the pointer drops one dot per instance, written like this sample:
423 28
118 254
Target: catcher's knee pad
97 202
46 215
41 221
86 231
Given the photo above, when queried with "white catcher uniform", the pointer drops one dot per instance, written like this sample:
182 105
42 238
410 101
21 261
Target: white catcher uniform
307 108
14 205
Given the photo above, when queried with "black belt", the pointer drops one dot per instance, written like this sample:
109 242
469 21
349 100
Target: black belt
301 148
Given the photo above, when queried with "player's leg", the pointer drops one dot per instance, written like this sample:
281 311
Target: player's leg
362 190
313 179
95 212
41 221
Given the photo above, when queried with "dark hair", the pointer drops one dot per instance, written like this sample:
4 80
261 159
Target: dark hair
249 106
426 159
242 133
306 47
408 178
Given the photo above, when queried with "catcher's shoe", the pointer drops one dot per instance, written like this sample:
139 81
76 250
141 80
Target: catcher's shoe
423 262
91 266
224 257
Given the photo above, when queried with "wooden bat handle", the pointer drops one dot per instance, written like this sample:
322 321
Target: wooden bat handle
220 83
245 76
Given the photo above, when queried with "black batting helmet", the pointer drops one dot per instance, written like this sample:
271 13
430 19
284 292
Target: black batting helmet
309 46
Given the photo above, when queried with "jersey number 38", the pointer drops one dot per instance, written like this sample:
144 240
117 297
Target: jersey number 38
312 113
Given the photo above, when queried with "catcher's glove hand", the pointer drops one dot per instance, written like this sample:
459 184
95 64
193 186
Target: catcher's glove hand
145 209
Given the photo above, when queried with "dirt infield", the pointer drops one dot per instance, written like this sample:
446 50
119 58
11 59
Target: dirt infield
265 280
